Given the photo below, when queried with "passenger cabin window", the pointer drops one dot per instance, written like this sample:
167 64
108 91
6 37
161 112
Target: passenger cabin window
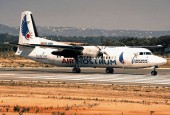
148 53
140 53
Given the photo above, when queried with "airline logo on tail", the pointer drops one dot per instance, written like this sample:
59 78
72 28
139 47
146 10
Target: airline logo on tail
24 29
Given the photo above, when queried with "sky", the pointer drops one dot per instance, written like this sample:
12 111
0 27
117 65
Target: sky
101 14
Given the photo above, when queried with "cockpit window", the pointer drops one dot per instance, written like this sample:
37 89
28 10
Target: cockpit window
148 53
140 53
145 53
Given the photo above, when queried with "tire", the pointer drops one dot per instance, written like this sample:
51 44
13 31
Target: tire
76 70
109 70
154 73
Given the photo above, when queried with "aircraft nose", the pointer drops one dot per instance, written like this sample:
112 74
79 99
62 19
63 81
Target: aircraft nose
164 61
158 60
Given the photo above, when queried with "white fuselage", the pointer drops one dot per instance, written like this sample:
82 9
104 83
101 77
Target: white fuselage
117 57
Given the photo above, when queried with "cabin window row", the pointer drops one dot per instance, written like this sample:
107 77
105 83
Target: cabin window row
89 57
104 57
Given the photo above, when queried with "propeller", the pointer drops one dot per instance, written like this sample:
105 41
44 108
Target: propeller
101 51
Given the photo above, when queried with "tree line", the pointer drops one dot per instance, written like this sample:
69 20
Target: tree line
102 40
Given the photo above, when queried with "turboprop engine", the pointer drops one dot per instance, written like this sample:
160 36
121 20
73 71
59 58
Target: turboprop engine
94 51
91 51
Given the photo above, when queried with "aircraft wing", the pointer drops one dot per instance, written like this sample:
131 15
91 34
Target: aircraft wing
66 51
158 46
61 50
70 47
16 45
79 48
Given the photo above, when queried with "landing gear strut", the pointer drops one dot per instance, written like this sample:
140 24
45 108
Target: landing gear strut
109 70
76 69
154 72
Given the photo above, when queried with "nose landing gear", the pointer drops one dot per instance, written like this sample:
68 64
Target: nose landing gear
154 72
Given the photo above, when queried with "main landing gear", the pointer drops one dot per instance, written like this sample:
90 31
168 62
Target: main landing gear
154 72
109 70
76 69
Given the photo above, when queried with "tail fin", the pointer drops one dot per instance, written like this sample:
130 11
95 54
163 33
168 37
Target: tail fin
28 32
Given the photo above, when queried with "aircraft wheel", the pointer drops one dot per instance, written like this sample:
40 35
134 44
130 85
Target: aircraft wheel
154 73
109 70
76 70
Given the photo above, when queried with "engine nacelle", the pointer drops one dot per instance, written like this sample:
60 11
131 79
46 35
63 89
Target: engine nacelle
92 51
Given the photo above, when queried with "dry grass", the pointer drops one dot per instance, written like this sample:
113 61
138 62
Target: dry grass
11 60
51 97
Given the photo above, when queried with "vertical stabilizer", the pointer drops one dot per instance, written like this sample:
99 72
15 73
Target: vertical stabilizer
28 32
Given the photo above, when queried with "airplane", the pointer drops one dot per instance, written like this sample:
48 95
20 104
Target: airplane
61 54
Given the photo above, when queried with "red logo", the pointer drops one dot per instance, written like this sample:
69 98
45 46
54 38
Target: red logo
67 61
28 35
